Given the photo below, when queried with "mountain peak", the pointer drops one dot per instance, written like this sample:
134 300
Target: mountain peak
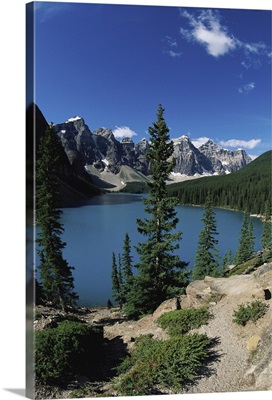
126 140
210 144
93 148
182 137
73 119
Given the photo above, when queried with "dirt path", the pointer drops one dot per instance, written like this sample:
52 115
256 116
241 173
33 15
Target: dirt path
231 364
226 372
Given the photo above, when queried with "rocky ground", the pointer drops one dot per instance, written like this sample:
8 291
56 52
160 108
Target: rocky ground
245 361
244 353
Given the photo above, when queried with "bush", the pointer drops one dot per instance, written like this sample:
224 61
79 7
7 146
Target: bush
169 363
179 322
252 312
70 348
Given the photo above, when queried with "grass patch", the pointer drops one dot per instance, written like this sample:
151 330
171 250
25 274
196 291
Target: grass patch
246 268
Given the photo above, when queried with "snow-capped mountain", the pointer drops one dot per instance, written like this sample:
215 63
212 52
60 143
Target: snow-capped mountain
100 152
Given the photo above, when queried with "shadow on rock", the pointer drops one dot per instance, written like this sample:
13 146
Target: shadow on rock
108 321
114 351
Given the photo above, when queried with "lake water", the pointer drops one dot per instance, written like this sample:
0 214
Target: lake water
95 230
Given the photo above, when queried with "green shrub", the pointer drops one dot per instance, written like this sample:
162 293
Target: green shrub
37 315
179 322
70 348
251 312
169 364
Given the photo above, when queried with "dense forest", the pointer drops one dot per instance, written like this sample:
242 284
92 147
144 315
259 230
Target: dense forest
246 190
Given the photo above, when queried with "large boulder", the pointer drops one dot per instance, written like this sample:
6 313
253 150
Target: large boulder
246 288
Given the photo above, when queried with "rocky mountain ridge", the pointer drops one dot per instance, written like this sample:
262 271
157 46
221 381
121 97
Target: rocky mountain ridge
104 157
75 184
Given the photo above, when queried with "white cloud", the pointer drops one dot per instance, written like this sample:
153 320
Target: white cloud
170 44
246 64
207 31
216 41
255 48
247 88
248 144
252 156
199 141
173 53
254 52
170 41
123 132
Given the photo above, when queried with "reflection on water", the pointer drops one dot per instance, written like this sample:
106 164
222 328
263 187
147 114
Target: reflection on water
109 199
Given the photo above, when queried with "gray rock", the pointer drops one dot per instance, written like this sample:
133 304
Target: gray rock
100 149
222 160
189 160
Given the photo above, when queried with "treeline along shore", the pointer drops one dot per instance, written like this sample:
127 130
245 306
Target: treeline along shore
245 190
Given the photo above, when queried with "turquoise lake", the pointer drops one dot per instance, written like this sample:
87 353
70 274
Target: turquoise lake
96 229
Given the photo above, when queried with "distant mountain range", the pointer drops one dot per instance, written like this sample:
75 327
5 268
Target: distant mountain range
112 163
93 162
208 159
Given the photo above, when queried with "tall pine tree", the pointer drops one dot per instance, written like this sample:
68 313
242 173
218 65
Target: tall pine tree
251 238
56 275
117 281
206 258
227 260
246 241
127 274
160 274
122 276
266 238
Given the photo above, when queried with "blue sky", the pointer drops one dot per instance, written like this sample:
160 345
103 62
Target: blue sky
113 64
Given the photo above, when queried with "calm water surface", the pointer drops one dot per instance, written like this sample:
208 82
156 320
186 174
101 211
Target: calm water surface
97 229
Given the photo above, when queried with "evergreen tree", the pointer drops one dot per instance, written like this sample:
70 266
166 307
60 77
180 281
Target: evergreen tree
109 304
227 260
251 238
159 270
206 258
246 241
127 273
120 273
56 275
116 279
39 295
122 276
266 238
245 190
